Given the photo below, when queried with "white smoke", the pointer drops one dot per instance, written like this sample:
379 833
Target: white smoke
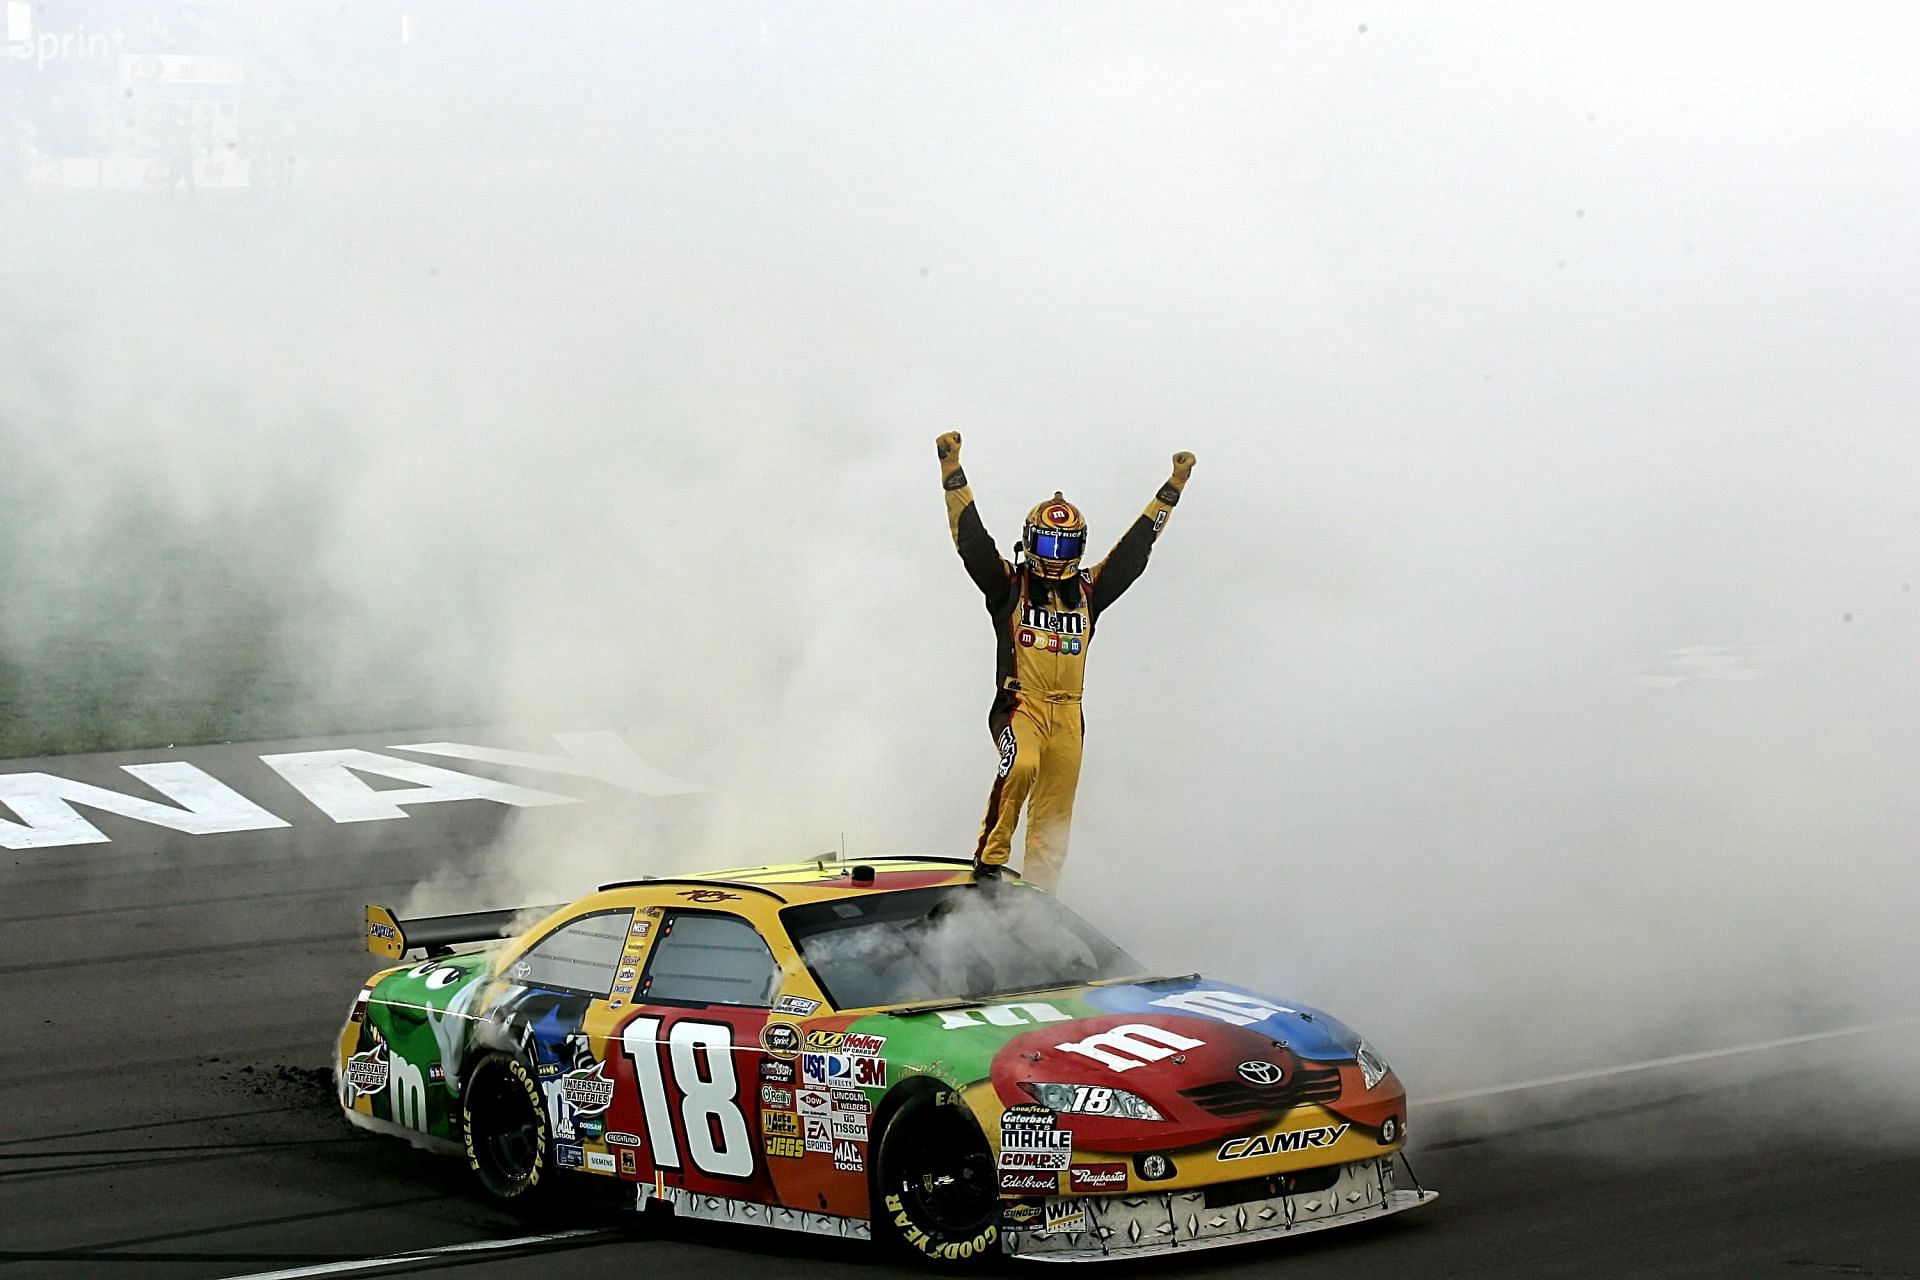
1540 367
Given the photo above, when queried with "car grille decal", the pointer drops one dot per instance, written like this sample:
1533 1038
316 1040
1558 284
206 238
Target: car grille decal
1234 1098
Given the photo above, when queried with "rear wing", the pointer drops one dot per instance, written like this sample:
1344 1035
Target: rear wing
390 937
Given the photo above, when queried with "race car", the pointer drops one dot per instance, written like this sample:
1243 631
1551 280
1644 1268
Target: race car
888 1049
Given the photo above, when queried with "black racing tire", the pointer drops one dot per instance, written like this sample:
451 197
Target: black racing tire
936 1191
509 1139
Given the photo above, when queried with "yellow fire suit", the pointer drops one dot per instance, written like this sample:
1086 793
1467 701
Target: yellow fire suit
1042 628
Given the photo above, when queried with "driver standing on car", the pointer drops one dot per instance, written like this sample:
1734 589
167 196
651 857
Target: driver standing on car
1044 608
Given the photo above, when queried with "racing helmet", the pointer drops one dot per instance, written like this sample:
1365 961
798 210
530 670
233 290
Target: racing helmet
1055 538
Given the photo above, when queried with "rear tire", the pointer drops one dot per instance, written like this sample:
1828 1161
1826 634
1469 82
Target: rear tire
509 1140
937 1192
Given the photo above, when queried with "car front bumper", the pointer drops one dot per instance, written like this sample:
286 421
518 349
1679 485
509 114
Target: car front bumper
1147 1224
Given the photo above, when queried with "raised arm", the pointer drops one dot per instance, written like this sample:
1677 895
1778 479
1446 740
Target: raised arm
1128 559
989 572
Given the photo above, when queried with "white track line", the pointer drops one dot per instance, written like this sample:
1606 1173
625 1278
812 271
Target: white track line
1678 1059
425 1255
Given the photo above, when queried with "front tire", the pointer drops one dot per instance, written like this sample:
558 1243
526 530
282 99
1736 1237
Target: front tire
937 1188
509 1141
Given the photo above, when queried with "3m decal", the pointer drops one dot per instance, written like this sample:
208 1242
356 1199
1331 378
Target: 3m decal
776 1098
715 1129
799 1006
708 895
781 1039
1268 1144
847 1157
1031 1141
1130 1045
1088 1179
602 1162
780 1124
1000 1015
785 1148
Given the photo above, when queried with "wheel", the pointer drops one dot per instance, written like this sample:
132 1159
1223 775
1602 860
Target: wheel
509 1145
937 1188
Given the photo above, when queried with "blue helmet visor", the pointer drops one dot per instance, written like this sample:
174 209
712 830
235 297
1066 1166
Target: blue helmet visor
1049 545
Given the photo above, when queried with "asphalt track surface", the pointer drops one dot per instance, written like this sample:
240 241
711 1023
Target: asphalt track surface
169 1004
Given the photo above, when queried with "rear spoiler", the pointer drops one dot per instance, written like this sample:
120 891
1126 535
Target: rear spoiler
390 937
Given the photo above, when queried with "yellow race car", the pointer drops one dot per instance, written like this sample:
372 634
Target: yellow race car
891 1049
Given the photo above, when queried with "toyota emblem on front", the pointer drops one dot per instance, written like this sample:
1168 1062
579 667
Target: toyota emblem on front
1260 1073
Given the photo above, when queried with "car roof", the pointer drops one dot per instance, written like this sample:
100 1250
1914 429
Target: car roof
822 879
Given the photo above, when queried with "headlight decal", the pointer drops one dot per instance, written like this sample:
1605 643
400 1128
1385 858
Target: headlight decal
1092 1100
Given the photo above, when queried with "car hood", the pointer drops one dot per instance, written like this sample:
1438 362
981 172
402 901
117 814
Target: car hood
1211 1058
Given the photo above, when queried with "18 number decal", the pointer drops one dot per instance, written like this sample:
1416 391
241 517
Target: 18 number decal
715 1129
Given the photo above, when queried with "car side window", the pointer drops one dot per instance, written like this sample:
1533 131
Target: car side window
579 956
702 957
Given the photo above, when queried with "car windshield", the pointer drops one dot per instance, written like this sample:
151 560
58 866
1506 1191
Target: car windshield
953 942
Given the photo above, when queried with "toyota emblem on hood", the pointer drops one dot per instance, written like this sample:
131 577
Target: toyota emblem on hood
1265 1074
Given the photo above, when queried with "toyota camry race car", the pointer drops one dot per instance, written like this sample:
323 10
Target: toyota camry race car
891 1048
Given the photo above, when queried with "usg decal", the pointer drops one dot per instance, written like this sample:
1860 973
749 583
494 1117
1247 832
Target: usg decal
1268 1144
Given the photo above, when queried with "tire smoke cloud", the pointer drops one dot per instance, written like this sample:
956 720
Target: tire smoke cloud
1527 675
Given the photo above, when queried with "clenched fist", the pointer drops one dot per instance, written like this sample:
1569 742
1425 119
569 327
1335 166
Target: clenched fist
949 445
1182 463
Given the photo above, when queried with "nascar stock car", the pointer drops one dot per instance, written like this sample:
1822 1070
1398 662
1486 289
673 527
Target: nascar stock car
890 1048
